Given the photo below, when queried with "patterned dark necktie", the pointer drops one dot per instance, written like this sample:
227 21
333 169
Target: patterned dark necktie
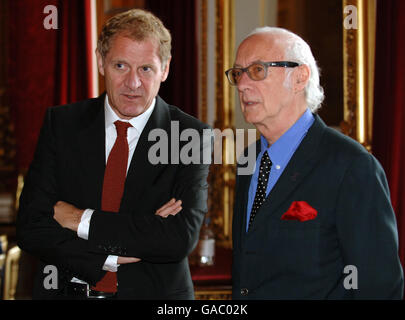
260 196
113 189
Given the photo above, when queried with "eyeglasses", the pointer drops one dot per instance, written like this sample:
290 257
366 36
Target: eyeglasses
256 71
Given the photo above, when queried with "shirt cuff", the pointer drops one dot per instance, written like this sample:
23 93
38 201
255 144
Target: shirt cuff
111 264
84 225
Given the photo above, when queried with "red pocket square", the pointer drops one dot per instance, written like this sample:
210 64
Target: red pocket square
300 210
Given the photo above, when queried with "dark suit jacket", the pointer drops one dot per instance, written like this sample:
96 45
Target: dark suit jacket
355 225
69 165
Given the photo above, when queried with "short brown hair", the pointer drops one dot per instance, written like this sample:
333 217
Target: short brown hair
138 25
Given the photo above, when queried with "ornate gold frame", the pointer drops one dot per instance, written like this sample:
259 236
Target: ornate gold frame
222 176
11 273
358 73
203 60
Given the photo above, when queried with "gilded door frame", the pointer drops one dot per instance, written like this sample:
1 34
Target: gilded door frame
358 72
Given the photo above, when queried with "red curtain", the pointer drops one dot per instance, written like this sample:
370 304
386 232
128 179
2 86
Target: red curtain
181 87
45 67
389 105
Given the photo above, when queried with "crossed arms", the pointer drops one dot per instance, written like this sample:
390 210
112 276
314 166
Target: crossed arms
145 232
68 216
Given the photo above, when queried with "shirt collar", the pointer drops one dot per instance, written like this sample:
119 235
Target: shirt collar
138 122
281 151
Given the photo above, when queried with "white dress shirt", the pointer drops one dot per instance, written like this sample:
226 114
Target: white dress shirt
138 124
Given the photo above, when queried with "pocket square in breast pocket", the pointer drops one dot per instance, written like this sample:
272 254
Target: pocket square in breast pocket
300 210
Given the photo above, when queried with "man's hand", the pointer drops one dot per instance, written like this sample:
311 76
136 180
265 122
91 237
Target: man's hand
67 215
172 207
125 260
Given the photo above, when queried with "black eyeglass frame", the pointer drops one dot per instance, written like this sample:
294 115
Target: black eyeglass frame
284 64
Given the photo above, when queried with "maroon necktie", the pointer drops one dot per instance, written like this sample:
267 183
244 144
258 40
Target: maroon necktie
113 189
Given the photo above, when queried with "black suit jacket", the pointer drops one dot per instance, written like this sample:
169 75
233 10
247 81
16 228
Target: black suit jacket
69 165
355 226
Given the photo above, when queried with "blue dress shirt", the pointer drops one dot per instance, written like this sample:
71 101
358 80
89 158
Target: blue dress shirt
280 154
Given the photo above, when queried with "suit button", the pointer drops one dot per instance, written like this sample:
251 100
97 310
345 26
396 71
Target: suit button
244 291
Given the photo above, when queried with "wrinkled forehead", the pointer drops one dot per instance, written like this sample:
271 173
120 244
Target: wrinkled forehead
260 47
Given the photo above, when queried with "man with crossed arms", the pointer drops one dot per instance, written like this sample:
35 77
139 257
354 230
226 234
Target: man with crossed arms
93 204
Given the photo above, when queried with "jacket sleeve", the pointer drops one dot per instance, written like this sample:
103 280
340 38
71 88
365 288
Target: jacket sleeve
37 232
367 232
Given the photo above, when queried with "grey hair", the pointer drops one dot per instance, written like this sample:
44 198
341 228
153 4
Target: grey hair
297 50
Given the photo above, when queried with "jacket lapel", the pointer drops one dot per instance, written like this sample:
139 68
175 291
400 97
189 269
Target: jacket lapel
301 164
142 173
91 143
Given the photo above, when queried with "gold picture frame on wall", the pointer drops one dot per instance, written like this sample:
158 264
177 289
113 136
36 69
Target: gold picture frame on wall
358 70
222 176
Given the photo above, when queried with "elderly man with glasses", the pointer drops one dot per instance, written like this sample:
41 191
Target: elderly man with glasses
314 218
